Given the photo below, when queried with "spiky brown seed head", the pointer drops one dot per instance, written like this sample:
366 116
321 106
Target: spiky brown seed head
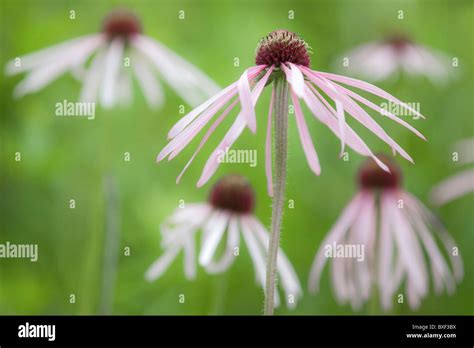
281 46
371 176
121 23
233 193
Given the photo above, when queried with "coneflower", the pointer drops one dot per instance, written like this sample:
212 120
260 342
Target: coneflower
223 219
283 62
397 231
388 57
106 78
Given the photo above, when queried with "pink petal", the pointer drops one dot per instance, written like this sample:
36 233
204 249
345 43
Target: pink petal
113 65
185 120
363 232
246 101
212 238
212 163
386 248
441 233
439 267
287 275
231 89
381 111
324 113
233 133
408 245
357 112
190 132
228 256
189 248
366 87
206 137
454 187
297 80
306 142
342 122
334 236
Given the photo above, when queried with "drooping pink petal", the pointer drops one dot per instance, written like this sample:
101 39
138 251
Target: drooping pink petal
339 278
231 89
354 294
440 270
90 87
342 122
268 147
381 111
179 142
151 88
186 80
56 53
357 112
234 132
454 187
297 80
287 275
212 236
443 235
334 236
189 248
211 129
160 265
366 87
228 256
325 114
248 110
414 297
192 74
258 255
113 63
193 212
212 163
255 252
386 254
363 233
124 88
191 116
407 245
44 74
306 142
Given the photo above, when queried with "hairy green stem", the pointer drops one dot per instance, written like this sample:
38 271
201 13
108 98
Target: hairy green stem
280 112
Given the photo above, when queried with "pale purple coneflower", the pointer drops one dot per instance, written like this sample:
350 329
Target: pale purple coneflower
401 240
121 51
382 59
459 184
226 217
282 58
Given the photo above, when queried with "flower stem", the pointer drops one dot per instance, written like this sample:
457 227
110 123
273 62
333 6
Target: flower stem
111 245
280 108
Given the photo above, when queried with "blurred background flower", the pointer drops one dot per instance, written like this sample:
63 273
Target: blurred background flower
226 217
386 58
120 46
390 231
459 184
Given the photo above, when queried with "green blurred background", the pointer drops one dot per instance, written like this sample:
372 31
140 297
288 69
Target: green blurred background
70 158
